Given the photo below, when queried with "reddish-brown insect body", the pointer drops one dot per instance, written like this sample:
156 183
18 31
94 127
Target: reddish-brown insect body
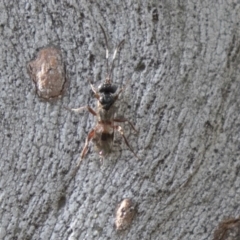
125 213
48 72
106 94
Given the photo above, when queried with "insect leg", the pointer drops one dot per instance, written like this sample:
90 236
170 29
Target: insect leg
96 95
125 120
120 130
82 108
121 90
85 149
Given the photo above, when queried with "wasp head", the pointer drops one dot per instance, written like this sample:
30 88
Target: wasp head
107 95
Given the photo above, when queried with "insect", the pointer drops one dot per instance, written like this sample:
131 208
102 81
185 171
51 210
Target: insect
125 213
106 94
48 72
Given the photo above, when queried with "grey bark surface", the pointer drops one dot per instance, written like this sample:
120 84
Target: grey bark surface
180 62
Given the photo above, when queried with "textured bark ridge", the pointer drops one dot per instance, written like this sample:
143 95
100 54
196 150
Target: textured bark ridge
228 229
181 67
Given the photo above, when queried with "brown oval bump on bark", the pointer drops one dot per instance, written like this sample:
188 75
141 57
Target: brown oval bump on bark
47 71
125 213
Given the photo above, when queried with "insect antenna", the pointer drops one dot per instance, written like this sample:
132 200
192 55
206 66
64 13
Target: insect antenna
114 56
105 37
109 74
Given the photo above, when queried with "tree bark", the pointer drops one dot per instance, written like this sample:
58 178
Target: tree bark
180 71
